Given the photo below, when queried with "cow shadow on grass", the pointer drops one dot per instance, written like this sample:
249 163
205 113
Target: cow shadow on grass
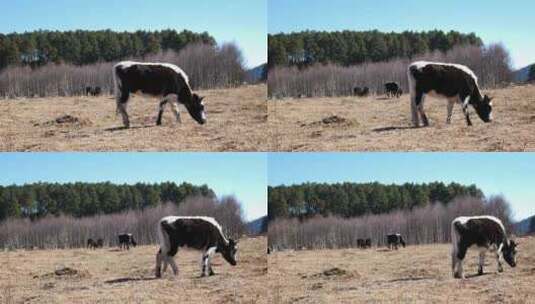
393 128
123 128
475 275
123 280
408 279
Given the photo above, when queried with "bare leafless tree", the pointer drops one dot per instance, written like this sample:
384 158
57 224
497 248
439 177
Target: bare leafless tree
492 64
206 66
430 224
70 232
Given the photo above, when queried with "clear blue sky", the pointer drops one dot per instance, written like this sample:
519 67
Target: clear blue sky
241 21
510 174
510 22
241 174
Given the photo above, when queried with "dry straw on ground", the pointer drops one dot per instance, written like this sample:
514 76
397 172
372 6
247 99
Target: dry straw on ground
237 121
111 276
378 124
415 274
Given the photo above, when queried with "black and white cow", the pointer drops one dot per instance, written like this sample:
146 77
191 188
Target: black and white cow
393 241
455 82
392 89
162 80
487 233
196 232
125 240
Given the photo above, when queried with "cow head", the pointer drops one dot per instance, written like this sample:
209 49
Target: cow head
484 108
196 108
229 251
509 252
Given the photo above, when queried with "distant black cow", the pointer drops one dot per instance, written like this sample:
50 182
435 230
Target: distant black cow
196 232
487 233
361 92
364 243
393 241
91 244
93 91
96 91
454 82
100 243
125 240
392 89
162 80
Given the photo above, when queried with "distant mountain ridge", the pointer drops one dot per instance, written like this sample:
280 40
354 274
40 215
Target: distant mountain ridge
525 226
522 75
258 226
257 74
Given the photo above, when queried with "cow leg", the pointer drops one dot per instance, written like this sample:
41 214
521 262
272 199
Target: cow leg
122 100
415 100
207 262
161 108
499 259
159 264
466 102
459 256
454 262
481 262
171 262
174 106
451 102
420 104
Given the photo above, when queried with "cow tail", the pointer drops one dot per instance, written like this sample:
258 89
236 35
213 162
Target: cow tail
456 227
116 88
163 234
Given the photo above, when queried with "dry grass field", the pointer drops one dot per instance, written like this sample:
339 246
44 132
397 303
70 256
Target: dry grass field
111 276
237 121
415 274
378 124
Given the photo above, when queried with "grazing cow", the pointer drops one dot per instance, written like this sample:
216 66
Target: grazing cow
100 243
487 233
392 89
96 91
455 82
364 243
125 240
361 92
196 232
162 80
393 241
93 91
91 244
